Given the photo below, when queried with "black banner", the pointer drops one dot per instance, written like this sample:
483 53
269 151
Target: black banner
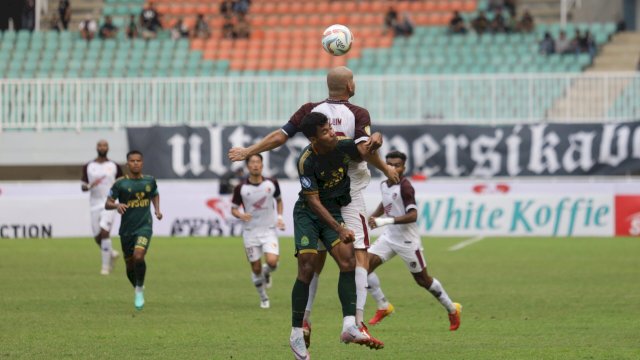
435 150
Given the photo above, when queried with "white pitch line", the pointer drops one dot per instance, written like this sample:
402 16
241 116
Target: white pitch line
466 243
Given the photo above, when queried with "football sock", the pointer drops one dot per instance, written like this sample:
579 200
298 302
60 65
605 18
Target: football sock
347 322
266 269
139 289
131 275
361 293
437 290
376 292
313 287
106 247
299 297
347 292
140 269
258 281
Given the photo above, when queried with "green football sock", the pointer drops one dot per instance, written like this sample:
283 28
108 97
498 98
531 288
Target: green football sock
347 292
299 298
131 275
141 269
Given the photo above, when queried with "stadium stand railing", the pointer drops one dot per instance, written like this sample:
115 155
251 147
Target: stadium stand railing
46 104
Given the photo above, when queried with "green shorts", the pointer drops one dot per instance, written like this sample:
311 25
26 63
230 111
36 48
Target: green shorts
131 242
308 229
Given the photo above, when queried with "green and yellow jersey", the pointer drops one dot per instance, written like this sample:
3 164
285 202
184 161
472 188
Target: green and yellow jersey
136 193
326 174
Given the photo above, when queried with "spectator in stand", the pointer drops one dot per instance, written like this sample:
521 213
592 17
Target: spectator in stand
227 28
498 24
526 23
390 19
242 30
64 12
495 5
241 7
88 28
510 5
201 29
547 45
132 28
55 24
180 30
574 45
108 30
480 24
456 25
150 22
226 8
29 15
588 44
563 44
621 26
404 27
11 9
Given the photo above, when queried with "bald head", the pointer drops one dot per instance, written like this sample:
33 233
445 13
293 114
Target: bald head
340 83
103 148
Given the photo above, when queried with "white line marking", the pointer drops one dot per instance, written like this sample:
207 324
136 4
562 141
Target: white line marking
466 243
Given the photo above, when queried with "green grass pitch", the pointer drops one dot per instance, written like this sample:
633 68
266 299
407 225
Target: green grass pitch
523 298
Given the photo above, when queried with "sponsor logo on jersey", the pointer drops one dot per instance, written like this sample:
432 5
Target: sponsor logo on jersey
335 121
140 201
147 188
258 205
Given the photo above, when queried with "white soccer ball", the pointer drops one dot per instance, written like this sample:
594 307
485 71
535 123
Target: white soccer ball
337 40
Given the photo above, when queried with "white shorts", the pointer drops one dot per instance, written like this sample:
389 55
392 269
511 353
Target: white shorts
259 241
410 251
102 219
354 216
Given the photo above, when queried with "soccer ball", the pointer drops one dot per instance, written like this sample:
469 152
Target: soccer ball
337 40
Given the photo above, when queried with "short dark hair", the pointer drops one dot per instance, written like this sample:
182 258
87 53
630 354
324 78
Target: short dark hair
250 156
395 154
134 152
311 122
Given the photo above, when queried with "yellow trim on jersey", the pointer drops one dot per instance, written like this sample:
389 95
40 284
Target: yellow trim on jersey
308 251
335 242
303 158
139 247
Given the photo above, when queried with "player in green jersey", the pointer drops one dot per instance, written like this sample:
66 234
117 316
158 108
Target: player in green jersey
134 194
322 168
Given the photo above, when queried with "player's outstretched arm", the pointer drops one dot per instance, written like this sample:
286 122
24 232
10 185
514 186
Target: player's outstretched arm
410 217
346 235
275 139
374 142
156 205
378 212
279 208
375 160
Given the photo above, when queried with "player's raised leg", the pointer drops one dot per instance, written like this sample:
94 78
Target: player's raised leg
257 277
379 252
436 289
271 252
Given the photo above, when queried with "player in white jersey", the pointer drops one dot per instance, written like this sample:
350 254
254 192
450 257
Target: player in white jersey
98 176
348 121
401 237
260 199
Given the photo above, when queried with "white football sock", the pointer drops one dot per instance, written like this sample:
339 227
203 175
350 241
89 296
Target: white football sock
139 289
266 269
313 288
376 292
258 281
361 293
296 332
106 247
437 290
347 322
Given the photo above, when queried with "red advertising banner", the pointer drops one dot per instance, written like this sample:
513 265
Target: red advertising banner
627 215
